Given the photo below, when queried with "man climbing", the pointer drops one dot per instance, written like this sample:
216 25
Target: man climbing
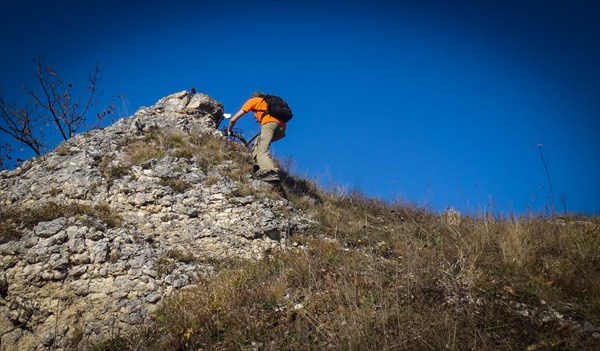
271 129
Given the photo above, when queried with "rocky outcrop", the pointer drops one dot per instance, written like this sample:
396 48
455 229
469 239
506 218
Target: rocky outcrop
98 231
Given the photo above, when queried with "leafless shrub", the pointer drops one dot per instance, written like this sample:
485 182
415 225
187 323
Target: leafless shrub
55 104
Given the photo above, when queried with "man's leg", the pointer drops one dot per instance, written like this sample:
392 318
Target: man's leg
269 133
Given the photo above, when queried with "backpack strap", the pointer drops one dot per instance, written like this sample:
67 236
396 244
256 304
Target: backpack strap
264 111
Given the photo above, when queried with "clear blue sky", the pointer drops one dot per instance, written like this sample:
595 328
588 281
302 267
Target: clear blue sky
432 102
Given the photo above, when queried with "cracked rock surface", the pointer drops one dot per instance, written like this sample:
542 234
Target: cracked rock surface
128 232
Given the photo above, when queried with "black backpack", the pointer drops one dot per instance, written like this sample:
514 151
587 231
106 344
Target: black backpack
277 107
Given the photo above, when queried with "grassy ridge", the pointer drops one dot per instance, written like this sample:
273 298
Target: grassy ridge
374 276
369 276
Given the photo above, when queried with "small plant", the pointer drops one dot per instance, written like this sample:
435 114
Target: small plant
77 337
181 256
187 152
117 171
63 150
205 164
211 181
173 140
213 143
54 191
107 215
196 139
112 170
242 190
178 186
164 266
543 155
140 152
8 230
93 188
164 139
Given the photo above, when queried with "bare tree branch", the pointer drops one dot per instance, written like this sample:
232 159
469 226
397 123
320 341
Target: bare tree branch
92 83
50 93
19 125
54 106
5 151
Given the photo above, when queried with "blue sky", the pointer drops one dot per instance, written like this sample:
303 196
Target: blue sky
436 103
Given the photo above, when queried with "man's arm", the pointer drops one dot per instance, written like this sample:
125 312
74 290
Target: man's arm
234 119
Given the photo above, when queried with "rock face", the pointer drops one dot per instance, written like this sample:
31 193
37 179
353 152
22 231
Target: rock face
98 231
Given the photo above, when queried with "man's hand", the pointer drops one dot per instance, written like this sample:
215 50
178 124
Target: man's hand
234 119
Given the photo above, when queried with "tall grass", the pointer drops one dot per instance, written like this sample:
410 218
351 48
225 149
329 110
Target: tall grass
374 276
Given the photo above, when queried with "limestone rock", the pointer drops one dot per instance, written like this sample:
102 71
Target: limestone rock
126 232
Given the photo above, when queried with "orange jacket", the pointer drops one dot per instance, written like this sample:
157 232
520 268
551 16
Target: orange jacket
259 106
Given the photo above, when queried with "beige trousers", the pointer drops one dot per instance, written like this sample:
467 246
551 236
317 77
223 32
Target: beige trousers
269 133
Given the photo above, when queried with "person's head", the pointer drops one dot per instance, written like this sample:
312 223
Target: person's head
258 93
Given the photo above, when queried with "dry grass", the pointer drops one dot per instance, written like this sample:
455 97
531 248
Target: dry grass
111 169
374 276
206 150
178 185
8 230
141 152
12 220
379 276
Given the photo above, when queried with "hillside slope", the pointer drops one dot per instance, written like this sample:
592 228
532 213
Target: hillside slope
96 232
